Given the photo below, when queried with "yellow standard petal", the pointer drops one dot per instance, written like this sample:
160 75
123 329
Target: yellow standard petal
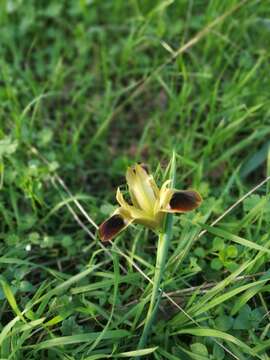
138 216
133 211
142 189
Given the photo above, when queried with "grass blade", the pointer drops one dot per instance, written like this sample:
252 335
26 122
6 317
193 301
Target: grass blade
141 352
237 239
205 332
11 299
76 339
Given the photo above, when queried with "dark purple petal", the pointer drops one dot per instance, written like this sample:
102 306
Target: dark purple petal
183 201
111 227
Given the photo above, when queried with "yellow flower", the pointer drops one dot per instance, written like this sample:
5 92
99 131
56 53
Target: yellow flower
149 203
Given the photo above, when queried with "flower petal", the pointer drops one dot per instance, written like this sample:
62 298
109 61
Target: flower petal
114 225
164 196
134 212
151 179
137 215
142 188
180 201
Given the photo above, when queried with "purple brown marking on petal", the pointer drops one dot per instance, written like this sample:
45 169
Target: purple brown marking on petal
145 167
185 200
111 227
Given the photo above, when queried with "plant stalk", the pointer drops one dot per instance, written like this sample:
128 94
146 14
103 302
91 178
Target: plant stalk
162 253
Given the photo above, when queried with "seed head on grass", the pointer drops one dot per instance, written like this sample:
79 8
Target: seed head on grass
149 204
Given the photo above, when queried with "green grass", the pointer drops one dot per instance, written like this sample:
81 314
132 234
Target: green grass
88 88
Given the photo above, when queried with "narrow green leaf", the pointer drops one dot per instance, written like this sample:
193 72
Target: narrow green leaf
66 284
98 356
55 320
181 318
237 239
263 346
128 279
224 297
11 299
181 355
140 352
76 339
255 160
244 298
29 326
206 332
116 284
6 329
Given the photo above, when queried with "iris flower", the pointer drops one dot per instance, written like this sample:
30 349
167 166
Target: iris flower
149 204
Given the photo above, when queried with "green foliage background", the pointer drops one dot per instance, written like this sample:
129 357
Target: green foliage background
88 88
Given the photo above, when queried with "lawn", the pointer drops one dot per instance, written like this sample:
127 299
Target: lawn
88 88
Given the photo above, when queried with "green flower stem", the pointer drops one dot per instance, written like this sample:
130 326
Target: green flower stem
162 252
